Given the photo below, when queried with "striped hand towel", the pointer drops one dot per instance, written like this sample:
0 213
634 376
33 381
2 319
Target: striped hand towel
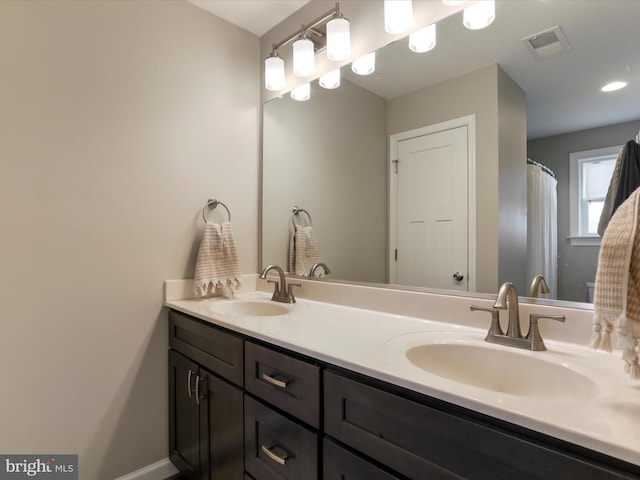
303 251
217 264
617 290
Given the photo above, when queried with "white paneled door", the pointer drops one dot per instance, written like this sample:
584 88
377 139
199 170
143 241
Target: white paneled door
431 210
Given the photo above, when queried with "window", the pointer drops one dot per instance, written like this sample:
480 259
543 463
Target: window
590 175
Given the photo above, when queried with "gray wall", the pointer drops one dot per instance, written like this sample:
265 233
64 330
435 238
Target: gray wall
328 156
576 265
512 175
117 121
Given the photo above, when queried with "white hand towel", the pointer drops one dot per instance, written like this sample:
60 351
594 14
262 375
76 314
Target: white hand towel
617 290
217 264
305 250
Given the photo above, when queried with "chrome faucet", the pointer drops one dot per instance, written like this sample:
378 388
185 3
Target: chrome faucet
281 292
312 272
507 299
538 285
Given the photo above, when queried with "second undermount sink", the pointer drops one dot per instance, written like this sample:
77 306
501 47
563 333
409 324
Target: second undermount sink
502 369
248 308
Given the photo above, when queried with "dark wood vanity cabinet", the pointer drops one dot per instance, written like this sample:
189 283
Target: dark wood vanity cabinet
341 464
419 440
282 415
205 408
243 409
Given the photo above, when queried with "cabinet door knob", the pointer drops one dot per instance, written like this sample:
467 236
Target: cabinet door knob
281 459
274 381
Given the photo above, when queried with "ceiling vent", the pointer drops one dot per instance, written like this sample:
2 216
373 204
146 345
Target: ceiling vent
547 44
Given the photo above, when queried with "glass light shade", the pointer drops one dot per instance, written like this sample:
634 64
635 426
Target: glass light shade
301 93
364 65
479 15
330 79
304 60
398 16
338 39
274 73
423 40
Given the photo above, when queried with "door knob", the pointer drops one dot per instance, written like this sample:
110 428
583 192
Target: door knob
458 277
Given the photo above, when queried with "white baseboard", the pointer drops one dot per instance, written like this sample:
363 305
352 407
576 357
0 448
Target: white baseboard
156 471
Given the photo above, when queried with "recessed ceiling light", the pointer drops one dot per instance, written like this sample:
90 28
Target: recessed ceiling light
613 86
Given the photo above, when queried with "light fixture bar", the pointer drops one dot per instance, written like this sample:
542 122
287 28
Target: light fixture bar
309 27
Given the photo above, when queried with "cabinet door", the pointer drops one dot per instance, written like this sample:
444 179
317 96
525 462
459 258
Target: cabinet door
420 441
224 429
184 417
277 448
339 464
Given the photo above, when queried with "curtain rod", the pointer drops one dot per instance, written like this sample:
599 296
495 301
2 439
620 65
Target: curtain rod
543 167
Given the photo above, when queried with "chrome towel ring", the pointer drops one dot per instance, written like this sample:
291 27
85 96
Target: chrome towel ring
296 211
212 203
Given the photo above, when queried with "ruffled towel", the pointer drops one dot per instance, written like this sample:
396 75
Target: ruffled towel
217 264
303 250
617 291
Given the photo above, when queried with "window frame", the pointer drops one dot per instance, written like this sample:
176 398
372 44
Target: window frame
576 237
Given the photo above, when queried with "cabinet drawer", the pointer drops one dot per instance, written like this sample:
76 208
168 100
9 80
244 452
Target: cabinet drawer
286 382
339 464
211 347
277 448
423 442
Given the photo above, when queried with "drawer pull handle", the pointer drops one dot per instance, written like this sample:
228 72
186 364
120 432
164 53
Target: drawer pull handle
274 381
281 459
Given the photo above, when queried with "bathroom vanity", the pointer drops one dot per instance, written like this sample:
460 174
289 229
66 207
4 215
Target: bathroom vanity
316 390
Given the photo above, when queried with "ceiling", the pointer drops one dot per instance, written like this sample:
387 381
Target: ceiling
563 91
256 16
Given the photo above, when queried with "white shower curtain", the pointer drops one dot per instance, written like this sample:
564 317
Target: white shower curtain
542 205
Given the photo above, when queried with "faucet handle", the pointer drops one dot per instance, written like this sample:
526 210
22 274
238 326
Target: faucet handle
495 328
289 292
534 333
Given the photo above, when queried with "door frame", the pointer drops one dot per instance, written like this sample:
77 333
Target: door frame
468 121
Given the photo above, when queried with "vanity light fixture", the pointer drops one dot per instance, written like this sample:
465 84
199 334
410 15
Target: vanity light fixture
423 40
330 30
398 16
330 80
479 15
304 57
365 65
274 72
301 93
338 37
613 86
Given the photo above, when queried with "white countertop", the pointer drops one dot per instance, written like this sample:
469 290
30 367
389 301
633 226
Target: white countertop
373 343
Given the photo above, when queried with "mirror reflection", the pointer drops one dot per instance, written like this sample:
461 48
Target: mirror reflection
331 155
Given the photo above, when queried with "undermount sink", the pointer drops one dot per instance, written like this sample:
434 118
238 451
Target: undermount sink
247 308
502 370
